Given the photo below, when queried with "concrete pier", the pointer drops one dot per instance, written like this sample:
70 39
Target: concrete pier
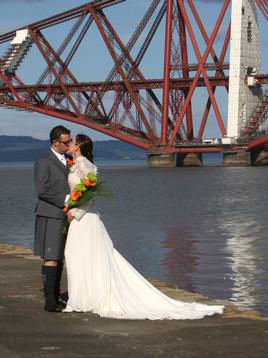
259 157
161 160
189 160
175 160
240 158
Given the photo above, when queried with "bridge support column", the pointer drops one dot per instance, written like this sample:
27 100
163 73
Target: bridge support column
189 160
161 160
259 157
244 61
239 158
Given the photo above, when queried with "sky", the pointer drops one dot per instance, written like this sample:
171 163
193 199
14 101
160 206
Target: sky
92 61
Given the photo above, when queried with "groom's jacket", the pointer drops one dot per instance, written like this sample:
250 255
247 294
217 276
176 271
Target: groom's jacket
51 182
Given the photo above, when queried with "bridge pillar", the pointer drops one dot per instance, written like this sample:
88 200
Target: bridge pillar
244 96
259 157
157 160
237 158
189 160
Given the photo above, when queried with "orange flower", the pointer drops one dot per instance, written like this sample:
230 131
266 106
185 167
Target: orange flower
88 182
65 209
69 162
75 195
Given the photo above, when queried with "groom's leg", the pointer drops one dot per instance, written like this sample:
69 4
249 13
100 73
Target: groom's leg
50 281
59 274
60 299
53 253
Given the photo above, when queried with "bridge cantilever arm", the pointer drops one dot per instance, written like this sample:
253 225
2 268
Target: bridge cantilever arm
263 7
61 17
258 142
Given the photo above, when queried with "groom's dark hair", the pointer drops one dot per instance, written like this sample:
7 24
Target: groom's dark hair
56 132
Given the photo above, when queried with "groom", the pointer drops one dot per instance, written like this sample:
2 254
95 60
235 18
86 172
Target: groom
50 176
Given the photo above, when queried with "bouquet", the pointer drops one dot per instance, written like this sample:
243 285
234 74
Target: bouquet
89 188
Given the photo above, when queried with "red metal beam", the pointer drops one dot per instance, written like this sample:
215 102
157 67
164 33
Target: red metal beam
206 38
185 71
194 67
60 18
201 69
134 69
175 83
10 86
121 72
258 142
36 36
132 41
198 54
166 74
50 111
218 74
197 150
263 5
30 97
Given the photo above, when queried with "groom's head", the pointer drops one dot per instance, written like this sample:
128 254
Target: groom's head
60 139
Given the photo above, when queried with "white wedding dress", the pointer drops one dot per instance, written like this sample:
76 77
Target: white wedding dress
101 281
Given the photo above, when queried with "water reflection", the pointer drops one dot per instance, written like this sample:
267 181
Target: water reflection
205 230
179 260
246 262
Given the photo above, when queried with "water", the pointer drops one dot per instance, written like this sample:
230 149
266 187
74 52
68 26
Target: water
202 229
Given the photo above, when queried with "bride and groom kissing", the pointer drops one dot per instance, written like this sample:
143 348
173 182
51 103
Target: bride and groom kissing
99 279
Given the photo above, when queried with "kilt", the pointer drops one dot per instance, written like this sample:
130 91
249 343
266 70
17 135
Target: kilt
49 242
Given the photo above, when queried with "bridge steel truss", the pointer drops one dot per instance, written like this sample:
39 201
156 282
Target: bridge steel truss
153 114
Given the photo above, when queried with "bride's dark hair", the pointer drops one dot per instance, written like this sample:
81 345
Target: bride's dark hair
86 146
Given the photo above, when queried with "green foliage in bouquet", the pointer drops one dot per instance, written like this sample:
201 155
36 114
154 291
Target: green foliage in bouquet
89 188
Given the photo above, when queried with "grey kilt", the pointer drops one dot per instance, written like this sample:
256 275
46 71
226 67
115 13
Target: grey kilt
49 242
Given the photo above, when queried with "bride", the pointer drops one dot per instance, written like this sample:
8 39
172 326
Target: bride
100 280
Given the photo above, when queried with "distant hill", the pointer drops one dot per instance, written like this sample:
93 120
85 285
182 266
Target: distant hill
28 149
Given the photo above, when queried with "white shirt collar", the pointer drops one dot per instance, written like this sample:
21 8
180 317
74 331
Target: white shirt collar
60 156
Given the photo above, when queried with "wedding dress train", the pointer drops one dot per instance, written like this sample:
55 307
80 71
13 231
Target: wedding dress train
101 281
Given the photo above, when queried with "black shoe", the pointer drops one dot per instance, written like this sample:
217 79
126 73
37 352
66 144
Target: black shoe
63 299
57 308
61 302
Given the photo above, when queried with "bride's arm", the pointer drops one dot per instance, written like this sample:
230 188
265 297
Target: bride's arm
83 167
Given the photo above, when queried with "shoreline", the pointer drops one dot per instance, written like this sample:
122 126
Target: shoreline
231 310
29 331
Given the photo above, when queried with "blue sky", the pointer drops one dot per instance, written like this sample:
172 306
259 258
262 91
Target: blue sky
92 61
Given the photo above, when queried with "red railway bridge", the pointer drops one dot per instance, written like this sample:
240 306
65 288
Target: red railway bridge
155 114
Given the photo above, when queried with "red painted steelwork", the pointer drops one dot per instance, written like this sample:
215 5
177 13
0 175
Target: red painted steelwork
263 5
110 86
185 71
166 88
152 113
203 149
201 68
258 142
60 18
219 74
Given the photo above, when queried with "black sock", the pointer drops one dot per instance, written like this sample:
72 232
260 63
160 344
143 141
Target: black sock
49 274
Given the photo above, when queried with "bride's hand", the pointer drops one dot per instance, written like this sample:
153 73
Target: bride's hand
69 217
